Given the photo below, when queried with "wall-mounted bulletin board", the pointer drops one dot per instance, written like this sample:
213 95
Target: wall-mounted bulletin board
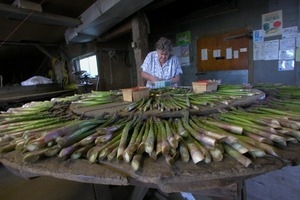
227 51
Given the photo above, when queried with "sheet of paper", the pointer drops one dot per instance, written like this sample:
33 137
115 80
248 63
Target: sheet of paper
204 54
217 53
287 49
290 32
285 65
228 53
258 36
236 54
271 49
258 51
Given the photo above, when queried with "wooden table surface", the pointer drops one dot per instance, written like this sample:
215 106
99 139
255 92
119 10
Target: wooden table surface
216 177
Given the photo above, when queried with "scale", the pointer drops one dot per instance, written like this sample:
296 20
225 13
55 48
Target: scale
84 80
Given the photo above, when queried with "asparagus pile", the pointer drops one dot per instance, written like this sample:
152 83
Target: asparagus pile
165 99
95 98
46 129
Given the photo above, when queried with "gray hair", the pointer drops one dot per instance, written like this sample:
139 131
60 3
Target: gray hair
164 44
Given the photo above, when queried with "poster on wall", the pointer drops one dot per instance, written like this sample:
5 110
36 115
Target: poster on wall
286 65
183 54
182 50
271 49
258 36
287 48
272 23
183 38
258 51
290 32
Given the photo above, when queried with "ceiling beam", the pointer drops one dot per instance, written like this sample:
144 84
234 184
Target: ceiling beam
12 12
103 15
121 29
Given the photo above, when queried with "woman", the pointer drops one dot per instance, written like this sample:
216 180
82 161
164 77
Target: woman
161 65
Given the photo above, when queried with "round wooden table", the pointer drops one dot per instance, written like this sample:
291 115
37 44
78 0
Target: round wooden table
223 178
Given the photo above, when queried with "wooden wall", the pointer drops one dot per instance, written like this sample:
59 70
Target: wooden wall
232 49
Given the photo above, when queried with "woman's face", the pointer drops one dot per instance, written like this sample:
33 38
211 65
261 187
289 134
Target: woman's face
163 56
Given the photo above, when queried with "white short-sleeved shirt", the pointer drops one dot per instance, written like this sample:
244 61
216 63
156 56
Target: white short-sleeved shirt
152 66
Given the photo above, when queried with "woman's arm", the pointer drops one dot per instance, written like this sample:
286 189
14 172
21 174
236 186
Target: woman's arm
149 77
175 79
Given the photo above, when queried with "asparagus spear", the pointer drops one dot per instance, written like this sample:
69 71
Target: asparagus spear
81 151
237 156
93 153
165 146
195 152
172 141
131 148
184 151
123 140
136 161
200 137
149 143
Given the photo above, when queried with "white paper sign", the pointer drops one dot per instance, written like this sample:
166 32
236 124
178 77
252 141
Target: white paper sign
285 65
217 53
228 53
236 54
287 49
204 54
271 49
290 32
258 51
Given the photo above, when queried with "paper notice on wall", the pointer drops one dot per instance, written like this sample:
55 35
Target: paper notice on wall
228 53
258 36
258 51
183 54
204 54
285 65
236 54
271 49
287 43
290 32
217 53
287 49
286 54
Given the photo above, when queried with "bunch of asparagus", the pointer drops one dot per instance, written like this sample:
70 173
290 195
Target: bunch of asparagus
176 99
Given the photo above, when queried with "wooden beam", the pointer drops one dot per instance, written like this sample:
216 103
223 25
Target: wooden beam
140 32
120 30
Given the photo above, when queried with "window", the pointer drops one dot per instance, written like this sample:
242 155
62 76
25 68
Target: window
89 64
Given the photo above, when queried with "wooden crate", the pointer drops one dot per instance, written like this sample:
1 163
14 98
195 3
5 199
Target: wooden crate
205 86
135 94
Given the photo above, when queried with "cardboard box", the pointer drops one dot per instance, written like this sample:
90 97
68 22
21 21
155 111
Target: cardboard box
205 86
135 94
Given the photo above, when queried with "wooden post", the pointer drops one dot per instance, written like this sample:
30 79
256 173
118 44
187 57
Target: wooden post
140 45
